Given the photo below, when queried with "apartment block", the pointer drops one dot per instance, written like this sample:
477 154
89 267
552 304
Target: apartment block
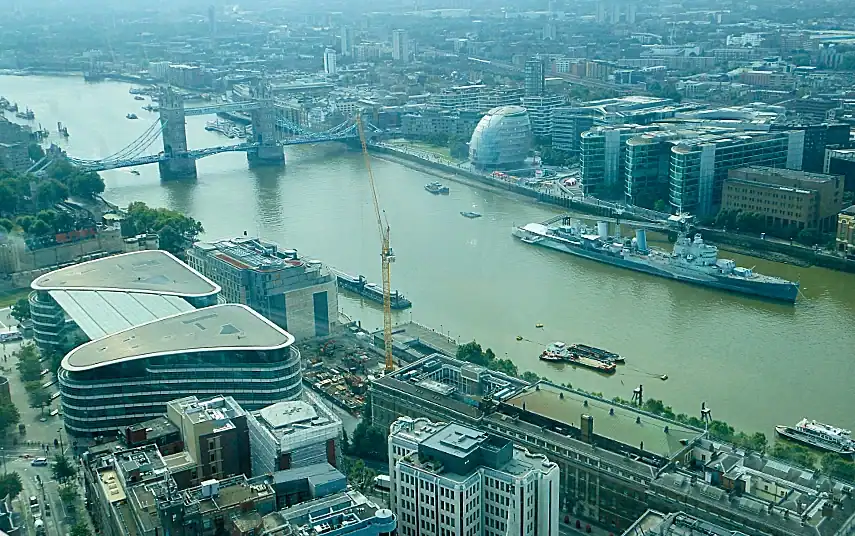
846 230
787 198
540 112
568 124
450 480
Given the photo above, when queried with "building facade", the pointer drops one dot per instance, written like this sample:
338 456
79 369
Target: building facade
297 294
447 479
786 198
502 139
129 376
603 158
294 434
330 68
568 124
700 165
540 111
535 75
400 46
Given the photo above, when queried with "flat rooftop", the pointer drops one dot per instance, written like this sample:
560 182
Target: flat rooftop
612 421
791 174
150 271
455 440
285 414
220 327
100 313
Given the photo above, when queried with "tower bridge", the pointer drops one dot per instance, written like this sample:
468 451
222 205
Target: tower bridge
264 148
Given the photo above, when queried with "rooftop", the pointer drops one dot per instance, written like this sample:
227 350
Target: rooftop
790 174
289 413
154 428
149 271
100 313
220 327
678 524
612 421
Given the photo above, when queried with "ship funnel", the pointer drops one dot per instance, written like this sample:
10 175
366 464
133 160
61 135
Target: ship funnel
603 229
641 240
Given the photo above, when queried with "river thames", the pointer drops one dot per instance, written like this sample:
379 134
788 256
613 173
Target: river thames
755 363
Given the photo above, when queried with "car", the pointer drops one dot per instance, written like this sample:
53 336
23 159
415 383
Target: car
39 462
11 336
34 501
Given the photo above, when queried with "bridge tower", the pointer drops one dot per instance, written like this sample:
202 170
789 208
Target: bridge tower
177 164
268 152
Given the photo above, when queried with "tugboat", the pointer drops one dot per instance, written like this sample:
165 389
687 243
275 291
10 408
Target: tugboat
437 188
559 352
820 436
131 116
470 215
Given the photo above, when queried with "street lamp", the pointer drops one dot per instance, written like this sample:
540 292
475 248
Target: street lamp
61 448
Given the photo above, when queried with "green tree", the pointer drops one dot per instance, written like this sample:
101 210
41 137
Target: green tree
369 442
836 467
28 364
50 192
25 222
9 417
8 197
35 152
530 377
471 352
142 219
80 529
37 395
21 310
85 184
55 360
40 228
62 469
69 495
660 205
10 484
6 223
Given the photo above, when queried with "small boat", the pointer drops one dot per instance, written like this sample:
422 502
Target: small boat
437 188
134 172
470 215
538 325
137 97
598 353
820 436
559 352
132 116
519 337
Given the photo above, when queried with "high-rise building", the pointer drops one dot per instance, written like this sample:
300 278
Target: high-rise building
448 479
535 72
297 294
347 41
400 46
329 62
212 20
568 124
603 155
699 165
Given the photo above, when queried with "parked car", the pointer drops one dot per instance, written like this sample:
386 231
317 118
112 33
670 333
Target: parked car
39 462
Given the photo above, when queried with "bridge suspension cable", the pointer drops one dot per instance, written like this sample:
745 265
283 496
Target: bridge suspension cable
132 150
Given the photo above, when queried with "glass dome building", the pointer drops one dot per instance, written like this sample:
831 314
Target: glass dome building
502 139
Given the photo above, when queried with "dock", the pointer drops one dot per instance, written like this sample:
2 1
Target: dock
413 341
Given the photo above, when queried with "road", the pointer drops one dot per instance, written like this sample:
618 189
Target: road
46 490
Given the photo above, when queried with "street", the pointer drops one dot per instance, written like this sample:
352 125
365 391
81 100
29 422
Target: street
46 489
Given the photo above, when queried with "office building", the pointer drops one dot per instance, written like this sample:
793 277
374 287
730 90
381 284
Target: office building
540 112
129 376
94 299
846 230
400 46
568 124
343 514
294 434
603 158
297 294
699 165
132 493
632 461
347 41
295 486
535 73
430 122
502 139
647 164
841 162
448 479
329 62
215 435
786 198
818 137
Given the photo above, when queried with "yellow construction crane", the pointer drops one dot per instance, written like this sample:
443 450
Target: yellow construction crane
386 255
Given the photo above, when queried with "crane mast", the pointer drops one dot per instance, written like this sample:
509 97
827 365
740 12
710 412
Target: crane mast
387 257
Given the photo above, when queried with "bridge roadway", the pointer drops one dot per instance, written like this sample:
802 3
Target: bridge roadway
221 108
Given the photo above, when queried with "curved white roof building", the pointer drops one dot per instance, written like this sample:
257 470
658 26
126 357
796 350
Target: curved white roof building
502 139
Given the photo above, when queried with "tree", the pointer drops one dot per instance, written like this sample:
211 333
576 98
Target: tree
38 395
69 494
142 219
28 365
10 484
80 529
369 442
55 359
8 197
25 222
6 223
471 352
530 377
35 152
50 192
21 310
40 228
9 417
170 240
660 205
85 184
62 469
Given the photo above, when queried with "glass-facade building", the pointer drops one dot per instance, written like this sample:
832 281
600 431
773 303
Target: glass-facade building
128 377
502 139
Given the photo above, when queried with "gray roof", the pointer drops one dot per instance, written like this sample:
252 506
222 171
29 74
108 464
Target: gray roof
227 326
150 272
100 313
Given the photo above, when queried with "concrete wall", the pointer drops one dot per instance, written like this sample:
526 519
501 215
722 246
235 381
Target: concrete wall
300 310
